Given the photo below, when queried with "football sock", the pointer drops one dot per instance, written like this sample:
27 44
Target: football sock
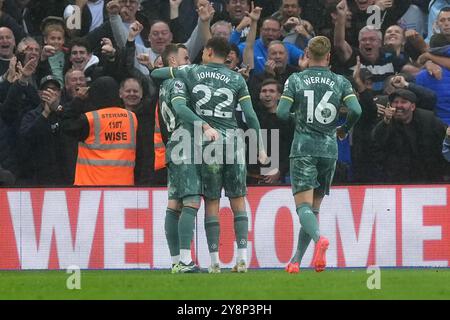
309 221
171 229
186 227
185 256
212 229
242 255
175 259
214 257
303 242
241 229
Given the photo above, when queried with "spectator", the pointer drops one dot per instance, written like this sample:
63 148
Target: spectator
73 81
9 22
44 148
440 86
131 93
7 45
53 50
221 28
434 8
160 35
21 97
234 13
106 135
364 155
443 23
93 15
390 12
276 67
124 13
382 64
289 17
410 140
82 58
28 49
269 96
270 30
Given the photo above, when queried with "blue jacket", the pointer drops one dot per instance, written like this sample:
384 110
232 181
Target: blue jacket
442 90
260 53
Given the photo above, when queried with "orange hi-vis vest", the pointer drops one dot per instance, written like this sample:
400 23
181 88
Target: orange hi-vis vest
108 154
160 148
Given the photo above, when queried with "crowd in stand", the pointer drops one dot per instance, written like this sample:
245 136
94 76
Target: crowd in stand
62 60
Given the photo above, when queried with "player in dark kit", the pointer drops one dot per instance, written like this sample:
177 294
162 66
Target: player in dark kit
315 96
184 180
216 91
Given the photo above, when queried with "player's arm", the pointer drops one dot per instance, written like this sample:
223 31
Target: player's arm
178 101
163 73
284 107
183 111
253 123
286 100
353 114
170 72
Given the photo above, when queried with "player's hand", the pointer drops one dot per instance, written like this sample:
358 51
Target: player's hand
210 133
273 176
448 133
263 158
113 7
303 62
341 134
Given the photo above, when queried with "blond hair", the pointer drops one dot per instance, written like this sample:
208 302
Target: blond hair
319 47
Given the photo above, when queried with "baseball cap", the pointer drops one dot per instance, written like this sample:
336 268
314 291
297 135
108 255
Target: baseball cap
49 78
405 94
365 74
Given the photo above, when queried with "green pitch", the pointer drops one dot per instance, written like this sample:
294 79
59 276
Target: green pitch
256 284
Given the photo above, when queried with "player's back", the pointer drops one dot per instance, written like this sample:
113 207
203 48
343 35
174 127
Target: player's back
318 94
174 89
215 92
